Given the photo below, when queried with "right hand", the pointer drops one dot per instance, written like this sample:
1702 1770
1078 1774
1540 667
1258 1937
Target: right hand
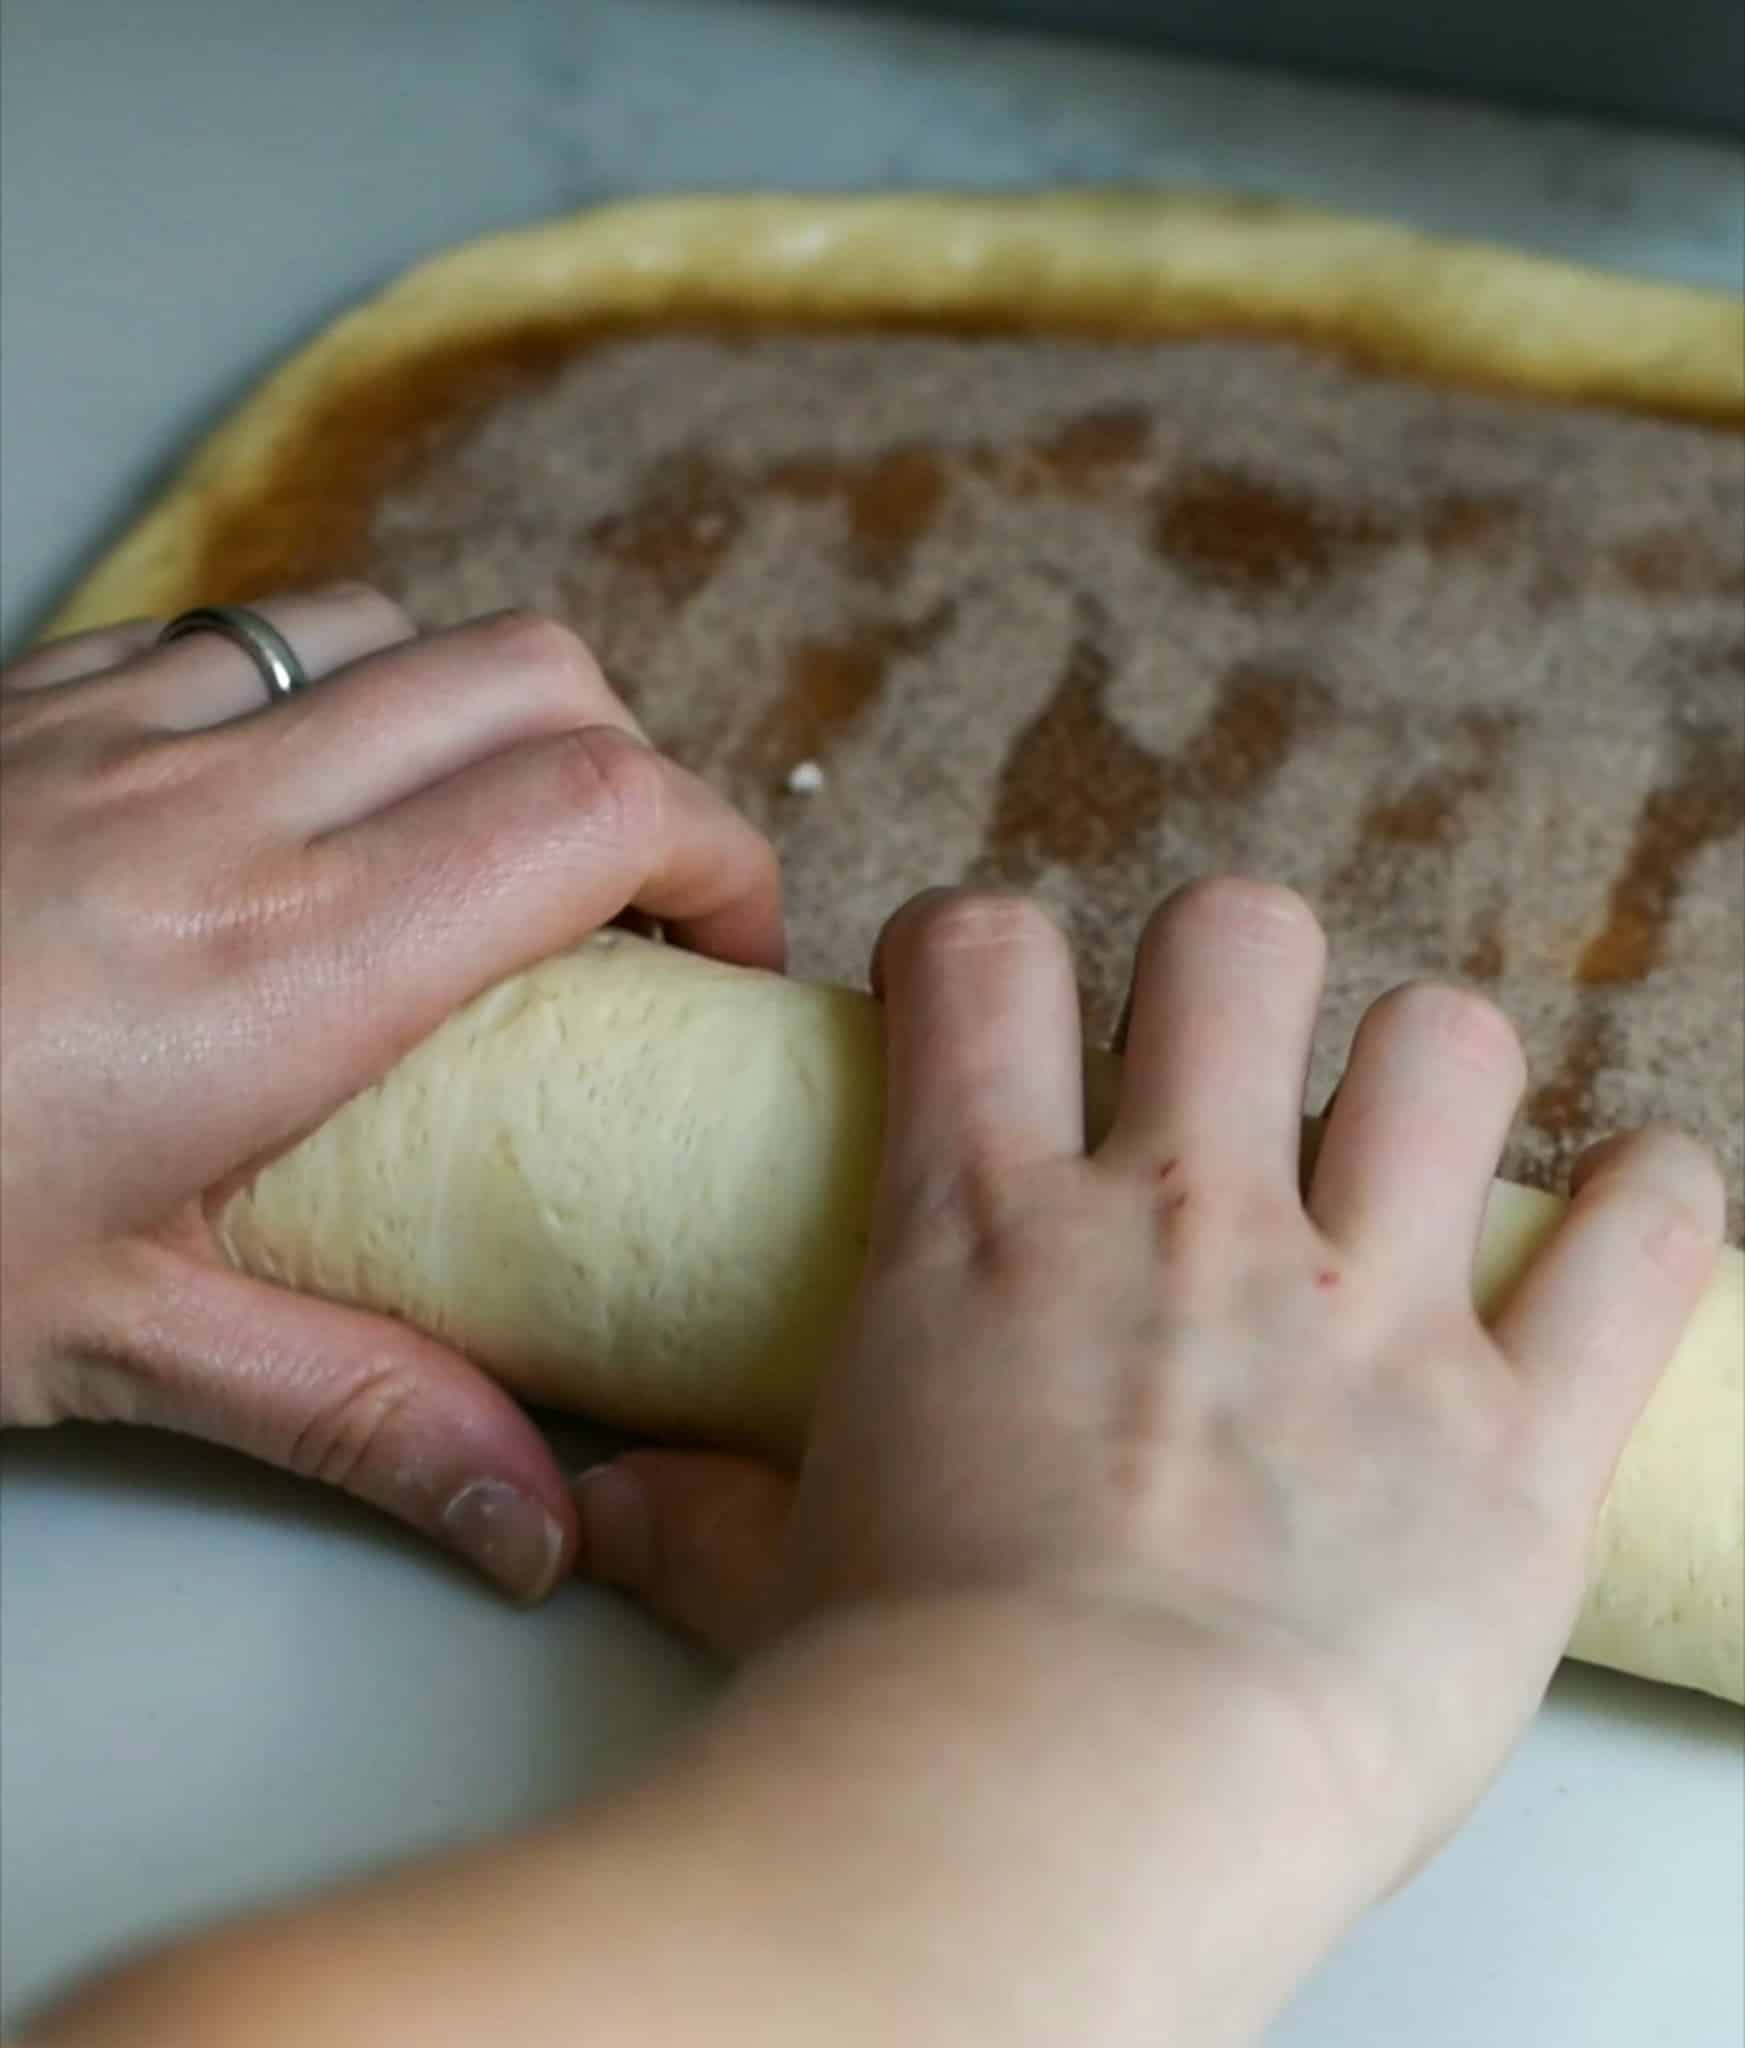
1160 1390
224 917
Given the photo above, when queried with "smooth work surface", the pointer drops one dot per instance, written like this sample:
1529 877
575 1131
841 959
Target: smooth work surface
214 1686
219 1686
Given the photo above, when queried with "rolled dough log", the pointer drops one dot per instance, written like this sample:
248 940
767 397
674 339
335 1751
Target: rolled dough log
637 1184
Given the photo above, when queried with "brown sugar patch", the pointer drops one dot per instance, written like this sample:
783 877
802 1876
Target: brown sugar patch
1704 803
305 513
1479 523
830 684
306 519
1078 788
1078 457
1262 711
892 500
1704 674
1673 563
677 528
1225 528
1559 576
1561 1110
1430 816
1426 813
1486 956
1075 786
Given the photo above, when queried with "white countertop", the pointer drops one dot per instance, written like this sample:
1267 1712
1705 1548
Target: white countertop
214 1685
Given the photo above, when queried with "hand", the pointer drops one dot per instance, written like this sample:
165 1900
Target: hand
1164 1388
1173 1558
223 918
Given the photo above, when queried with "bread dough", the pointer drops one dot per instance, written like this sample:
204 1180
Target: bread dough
1086 262
638 1184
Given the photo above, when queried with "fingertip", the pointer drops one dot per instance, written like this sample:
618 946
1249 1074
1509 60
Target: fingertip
1239 910
509 1535
907 917
1604 1302
943 923
941 931
718 883
1668 1190
1666 1158
697 1537
750 931
1452 1026
616 1545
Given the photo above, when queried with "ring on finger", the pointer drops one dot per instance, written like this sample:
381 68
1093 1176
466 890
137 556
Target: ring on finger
276 661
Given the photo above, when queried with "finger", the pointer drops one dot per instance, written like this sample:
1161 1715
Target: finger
1600 1310
354 1400
560 835
204 679
1226 990
384 727
1415 1132
1123 1025
698 1538
427 903
982 1042
79 656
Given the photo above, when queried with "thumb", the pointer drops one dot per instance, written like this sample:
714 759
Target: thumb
358 1401
699 1537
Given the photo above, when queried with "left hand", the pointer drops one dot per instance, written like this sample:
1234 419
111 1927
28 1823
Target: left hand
221 919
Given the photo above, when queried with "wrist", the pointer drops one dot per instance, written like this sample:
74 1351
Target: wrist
1103 1814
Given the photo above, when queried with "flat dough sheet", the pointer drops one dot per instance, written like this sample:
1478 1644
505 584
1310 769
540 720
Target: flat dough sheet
1088 542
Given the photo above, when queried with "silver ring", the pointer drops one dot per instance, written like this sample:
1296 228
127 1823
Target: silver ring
274 657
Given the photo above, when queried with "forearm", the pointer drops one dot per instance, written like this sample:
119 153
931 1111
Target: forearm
961 1826
939 1825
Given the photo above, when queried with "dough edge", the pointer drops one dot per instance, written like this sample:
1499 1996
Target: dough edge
1125 264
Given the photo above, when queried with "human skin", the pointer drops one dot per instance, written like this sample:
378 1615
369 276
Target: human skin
223 918
1173 1560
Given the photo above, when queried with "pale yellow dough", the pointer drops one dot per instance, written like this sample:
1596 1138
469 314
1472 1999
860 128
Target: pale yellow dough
1115 263
637 1184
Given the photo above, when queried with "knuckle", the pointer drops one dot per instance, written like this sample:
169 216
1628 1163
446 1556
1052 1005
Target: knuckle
1679 1197
1238 907
1458 1022
546 650
620 783
1028 1233
1677 1239
338 1440
1214 1221
30 717
253 915
132 781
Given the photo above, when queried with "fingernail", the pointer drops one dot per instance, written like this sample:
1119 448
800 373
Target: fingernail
617 1538
507 1534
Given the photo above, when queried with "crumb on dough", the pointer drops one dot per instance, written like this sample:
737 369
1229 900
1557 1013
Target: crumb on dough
806 778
